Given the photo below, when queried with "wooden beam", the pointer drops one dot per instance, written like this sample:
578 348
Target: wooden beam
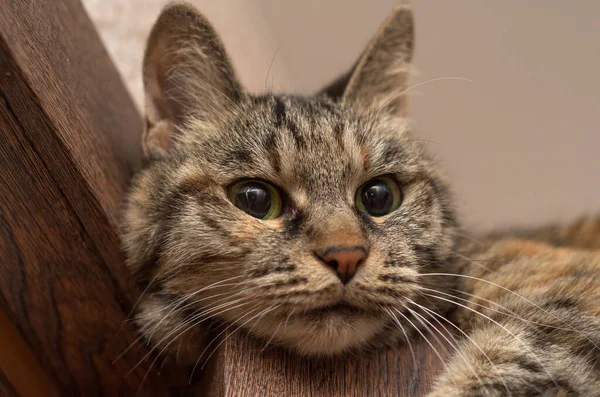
18 363
245 368
6 388
69 138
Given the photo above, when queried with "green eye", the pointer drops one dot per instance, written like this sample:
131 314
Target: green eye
379 196
256 198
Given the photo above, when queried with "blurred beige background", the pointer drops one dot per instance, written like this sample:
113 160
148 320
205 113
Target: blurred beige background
521 143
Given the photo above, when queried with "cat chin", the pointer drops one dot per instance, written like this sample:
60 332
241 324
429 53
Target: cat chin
329 335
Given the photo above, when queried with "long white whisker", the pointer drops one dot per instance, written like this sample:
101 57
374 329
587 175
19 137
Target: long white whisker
504 310
428 326
137 302
472 261
504 328
185 324
272 336
141 336
262 313
433 315
288 319
386 103
423 336
179 301
458 352
518 295
270 66
173 340
412 352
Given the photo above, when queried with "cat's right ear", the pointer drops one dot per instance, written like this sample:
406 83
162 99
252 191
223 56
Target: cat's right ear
379 79
186 72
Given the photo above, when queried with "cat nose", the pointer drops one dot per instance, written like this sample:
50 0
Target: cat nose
344 260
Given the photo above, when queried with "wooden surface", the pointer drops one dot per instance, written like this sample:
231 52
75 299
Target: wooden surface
6 388
69 138
19 366
245 368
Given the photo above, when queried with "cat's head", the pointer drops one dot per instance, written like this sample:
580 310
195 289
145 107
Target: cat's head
305 221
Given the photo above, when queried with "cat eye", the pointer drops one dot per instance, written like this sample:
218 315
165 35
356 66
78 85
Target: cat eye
379 196
256 198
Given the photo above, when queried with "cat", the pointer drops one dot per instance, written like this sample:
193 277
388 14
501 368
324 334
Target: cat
326 213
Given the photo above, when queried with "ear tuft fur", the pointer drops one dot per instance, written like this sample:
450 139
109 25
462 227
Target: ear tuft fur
186 72
378 80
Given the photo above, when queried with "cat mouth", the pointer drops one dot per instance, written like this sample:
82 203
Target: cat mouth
341 308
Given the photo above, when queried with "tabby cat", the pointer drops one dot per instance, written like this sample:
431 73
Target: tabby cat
326 214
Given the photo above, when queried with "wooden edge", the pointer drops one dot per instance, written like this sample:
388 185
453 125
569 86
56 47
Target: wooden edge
246 367
70 142
20 372
6 388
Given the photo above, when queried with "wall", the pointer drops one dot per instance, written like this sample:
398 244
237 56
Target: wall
520 142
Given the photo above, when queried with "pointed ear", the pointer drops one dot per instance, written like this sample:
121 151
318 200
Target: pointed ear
186 72
380 76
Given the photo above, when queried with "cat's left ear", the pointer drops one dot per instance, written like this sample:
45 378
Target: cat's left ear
378 80
186 72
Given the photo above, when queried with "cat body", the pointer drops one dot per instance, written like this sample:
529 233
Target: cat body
326 214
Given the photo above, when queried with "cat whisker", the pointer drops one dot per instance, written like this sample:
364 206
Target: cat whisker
434 316
270 66
412 352
386 103
228 293
262 313
510 313
517 295
137 302
422 335
288 319
272 336
179 301
428 326
175 338
472 261
413 381
194 320
210 286
140 337
505 329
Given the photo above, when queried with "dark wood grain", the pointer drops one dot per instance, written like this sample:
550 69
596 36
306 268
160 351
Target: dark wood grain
69 138
6 388
19 368
244 367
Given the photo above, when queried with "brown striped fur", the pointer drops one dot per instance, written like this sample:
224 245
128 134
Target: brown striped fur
205 264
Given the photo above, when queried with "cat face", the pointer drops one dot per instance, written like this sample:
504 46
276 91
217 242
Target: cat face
305 221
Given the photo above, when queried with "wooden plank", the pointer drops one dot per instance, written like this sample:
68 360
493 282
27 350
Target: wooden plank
6 389
18 363
70 142
245 368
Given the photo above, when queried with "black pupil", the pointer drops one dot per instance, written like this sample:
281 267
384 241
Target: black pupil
254 199
378 198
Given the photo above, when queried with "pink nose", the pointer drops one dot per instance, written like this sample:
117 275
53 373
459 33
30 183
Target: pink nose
344 260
